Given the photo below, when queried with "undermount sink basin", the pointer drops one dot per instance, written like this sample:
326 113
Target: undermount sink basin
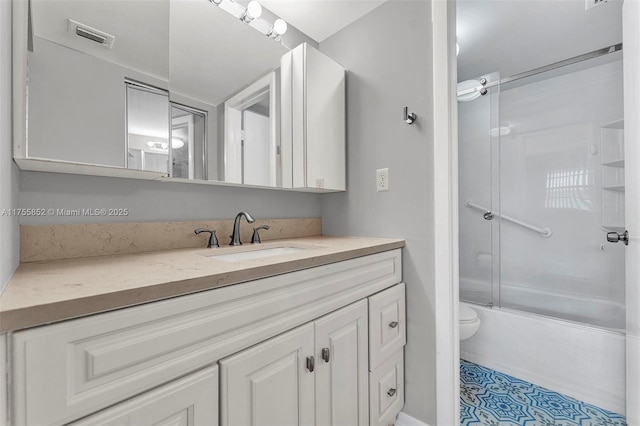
256 253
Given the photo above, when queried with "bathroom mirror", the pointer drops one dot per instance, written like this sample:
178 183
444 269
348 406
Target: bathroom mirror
160 89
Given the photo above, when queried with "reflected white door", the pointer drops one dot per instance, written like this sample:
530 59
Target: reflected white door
631 52
256 153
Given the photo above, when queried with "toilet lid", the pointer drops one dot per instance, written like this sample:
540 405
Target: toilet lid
467 314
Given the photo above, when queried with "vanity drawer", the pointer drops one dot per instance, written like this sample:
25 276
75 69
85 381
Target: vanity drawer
386 390
192 400
387 324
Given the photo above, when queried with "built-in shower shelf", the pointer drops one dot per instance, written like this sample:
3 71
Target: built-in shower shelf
616 163
617 188
612 161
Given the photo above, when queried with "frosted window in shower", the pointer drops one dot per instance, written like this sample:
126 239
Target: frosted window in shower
568 189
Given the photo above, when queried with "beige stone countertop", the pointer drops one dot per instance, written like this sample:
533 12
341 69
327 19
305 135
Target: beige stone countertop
49 291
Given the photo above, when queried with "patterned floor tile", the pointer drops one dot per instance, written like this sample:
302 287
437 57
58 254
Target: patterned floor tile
490 398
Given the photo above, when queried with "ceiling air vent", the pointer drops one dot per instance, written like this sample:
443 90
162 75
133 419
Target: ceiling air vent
90 33
590 4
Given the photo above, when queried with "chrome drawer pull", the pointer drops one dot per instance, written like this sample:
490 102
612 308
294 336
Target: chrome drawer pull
391 392
393 324
310 364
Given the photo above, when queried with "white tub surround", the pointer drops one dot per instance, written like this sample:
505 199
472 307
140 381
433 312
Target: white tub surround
583 362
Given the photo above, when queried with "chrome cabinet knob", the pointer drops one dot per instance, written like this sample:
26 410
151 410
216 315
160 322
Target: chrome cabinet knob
393 324
310 364
391 392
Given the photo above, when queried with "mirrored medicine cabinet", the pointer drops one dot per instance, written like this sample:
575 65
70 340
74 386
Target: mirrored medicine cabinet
177 90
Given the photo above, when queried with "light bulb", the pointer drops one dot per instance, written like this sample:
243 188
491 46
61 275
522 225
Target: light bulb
280 26
254 10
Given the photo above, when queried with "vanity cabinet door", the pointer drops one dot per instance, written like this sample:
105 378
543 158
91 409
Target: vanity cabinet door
190 401
270 384
342 390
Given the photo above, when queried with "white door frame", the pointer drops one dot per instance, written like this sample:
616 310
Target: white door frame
631 63
446 208
445 147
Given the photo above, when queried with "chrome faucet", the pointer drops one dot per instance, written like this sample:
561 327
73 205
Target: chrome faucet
235 237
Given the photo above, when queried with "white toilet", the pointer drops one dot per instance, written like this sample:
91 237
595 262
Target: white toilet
469 321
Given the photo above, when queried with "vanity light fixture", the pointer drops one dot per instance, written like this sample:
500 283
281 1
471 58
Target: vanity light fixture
250 16
279 28
254 10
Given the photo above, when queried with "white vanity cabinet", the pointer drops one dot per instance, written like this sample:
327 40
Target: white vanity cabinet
159 363
317 369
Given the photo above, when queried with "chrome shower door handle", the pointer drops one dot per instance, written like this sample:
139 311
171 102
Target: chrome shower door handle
614 237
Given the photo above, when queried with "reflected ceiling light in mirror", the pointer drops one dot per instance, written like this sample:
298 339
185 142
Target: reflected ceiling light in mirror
177 143
279 28
254 10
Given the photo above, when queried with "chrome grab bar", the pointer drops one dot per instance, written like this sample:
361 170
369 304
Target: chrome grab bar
544 232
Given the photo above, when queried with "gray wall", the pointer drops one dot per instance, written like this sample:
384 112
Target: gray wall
9 230
388 57
150 201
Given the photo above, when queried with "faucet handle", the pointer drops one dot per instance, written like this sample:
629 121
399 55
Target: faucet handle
213 239
255 238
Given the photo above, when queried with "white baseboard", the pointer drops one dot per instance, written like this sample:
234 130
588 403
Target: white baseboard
406 420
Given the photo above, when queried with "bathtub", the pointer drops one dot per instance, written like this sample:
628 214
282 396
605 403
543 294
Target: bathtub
565 306
582 361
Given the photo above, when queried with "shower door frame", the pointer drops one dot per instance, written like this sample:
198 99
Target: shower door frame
631 75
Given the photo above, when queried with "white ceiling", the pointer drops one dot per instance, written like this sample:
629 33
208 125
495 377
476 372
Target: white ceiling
513 36
320 19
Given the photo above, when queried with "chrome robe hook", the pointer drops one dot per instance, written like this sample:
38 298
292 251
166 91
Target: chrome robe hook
409 117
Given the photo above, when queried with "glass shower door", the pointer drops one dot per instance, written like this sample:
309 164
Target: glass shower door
560 175
478 161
